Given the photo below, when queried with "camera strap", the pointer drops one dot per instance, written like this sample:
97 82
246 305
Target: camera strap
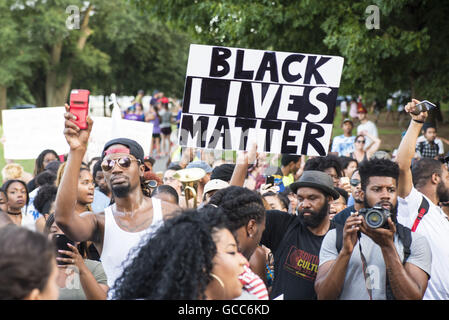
364 267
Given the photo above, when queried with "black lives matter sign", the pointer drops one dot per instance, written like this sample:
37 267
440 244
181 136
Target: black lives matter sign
285 102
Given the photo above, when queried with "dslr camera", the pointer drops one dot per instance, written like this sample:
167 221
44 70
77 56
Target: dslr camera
376 217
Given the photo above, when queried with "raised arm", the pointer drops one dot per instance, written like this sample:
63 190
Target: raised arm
406 149
241 167
76 227
374 145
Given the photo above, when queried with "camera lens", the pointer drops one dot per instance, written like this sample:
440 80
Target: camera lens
374 219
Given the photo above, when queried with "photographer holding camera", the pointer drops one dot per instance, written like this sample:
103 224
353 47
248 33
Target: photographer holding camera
390 262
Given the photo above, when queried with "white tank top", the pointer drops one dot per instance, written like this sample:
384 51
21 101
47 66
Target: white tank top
118 243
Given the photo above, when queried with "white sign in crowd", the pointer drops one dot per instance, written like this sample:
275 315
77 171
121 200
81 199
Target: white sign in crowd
285 102
27 132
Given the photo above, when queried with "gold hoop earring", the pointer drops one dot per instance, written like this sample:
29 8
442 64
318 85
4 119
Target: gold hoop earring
218 279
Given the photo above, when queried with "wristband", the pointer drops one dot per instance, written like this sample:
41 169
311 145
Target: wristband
418 121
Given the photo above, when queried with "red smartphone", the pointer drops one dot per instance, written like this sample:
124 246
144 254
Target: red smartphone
79 106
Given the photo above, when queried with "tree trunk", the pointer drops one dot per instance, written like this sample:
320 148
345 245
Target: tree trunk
3 97
58 82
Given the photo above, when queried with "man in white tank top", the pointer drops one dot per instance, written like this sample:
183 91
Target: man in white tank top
134 215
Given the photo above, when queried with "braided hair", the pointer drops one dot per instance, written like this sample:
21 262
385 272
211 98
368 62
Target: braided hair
240 206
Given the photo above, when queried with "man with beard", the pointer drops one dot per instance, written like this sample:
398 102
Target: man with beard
421 189
295 241
119 229
367 259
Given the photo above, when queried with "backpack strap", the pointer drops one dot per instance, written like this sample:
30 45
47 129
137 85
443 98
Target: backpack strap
422 211
405 235
339 236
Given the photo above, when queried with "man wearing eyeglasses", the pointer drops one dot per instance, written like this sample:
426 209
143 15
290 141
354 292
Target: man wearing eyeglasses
357 194
134 215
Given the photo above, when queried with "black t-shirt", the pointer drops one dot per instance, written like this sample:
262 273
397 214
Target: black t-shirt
296 255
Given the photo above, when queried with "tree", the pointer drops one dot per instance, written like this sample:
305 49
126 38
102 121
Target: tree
408 52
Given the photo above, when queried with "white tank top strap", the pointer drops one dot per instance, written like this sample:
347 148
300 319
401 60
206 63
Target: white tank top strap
157 211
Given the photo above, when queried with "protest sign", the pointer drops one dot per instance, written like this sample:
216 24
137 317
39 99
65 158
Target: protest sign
285 102
27 132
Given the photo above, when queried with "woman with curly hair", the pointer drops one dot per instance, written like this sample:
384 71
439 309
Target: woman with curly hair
193 256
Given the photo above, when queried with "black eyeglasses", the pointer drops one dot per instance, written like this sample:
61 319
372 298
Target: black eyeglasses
123 162
354 182
360 141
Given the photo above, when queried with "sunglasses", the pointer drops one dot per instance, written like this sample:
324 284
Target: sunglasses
360 141
354 182
123 162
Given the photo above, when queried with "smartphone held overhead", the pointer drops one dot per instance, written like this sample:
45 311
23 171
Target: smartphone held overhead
79 106
423 106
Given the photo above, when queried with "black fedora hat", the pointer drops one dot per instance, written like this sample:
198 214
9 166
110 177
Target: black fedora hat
318 180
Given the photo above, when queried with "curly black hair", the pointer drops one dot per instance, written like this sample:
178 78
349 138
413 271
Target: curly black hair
45 177
322 163
240 205
45 197
175 264
377 168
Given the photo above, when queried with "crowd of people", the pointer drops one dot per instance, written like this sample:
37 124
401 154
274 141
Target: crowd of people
357 224
163 112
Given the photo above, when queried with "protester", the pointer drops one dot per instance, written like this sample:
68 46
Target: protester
344 143
166 193
102 193
344 108
339 204
428 147
165 125
361 153
15 171
295 240
332 166
17 200
27 264
122 225
203 263
276 201
44 204
357 202
44 158
366 126
79 277
353 110
245 218
153 117
349 165
383 266
212 187
421 189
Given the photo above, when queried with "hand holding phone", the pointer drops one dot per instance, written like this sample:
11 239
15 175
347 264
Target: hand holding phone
79 106
61 242
423 106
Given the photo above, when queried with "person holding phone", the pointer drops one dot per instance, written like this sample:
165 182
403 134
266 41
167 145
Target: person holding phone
78 278
120 228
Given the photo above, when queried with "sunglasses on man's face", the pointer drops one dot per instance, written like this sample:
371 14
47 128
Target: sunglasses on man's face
123 162
354 182
360 141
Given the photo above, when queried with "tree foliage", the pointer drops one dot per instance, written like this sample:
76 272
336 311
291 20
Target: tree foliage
408 52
